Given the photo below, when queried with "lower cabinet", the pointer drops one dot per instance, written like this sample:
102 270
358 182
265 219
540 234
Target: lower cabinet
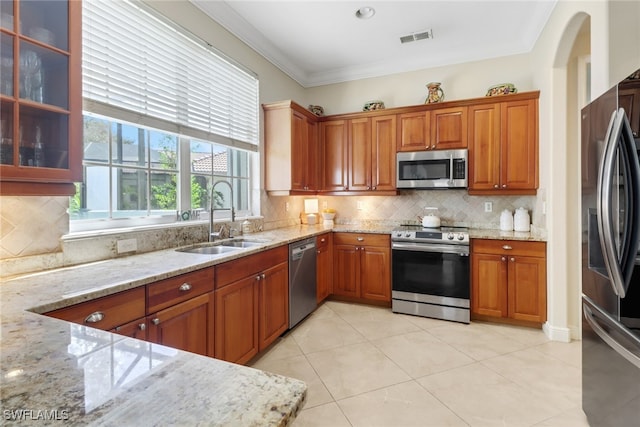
251 304
185 326
324 266
508 280
362 266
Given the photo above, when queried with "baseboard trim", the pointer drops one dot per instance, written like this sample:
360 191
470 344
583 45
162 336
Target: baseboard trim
555 333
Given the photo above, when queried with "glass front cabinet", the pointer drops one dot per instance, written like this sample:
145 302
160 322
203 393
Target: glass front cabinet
40 97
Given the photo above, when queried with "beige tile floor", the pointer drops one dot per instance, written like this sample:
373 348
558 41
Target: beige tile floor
365 366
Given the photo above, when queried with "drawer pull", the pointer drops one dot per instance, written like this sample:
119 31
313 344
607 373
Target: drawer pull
185 287
360 239
507 247
94 317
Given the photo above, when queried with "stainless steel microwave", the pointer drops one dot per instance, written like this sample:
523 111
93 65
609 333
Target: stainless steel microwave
432 169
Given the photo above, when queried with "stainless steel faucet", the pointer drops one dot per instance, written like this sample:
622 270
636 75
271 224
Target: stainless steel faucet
213 235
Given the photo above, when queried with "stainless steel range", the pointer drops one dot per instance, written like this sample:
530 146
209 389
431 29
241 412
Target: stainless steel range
430 272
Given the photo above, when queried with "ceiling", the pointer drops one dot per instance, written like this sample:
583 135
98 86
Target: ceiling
322 42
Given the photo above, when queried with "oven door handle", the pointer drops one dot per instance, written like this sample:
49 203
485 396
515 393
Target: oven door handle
462 250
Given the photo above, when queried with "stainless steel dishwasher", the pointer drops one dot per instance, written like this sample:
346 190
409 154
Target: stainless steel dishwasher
302 280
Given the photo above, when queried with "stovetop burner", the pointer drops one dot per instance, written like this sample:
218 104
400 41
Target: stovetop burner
417 233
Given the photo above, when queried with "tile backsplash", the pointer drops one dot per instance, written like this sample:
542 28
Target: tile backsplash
34 230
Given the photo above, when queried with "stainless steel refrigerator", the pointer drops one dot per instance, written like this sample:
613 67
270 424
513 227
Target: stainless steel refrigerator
610 261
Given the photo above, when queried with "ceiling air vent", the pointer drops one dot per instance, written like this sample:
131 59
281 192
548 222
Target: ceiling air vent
423 35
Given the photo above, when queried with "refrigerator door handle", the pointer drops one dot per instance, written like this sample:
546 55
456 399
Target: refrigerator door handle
605 209
593 321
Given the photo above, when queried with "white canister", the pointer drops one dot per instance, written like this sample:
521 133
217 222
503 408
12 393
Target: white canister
521 220
506 220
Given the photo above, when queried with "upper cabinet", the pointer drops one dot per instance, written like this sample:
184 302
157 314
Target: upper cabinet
291 149
434 129
503 146
40 96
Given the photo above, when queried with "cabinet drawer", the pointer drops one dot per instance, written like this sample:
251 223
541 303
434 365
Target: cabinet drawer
362 239
106 312
166 293
509 247
233 271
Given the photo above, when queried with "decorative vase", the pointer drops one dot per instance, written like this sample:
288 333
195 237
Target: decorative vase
436 94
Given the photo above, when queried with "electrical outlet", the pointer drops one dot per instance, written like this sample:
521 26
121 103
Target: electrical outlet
286 206
359 205
127 245
488 206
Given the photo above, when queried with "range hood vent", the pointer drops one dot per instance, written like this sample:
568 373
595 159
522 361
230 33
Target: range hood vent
422 35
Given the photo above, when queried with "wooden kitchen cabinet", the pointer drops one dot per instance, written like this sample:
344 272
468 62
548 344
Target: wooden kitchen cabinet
371 154
508 280
292 153
433 129
186 326
449 128
251 304
107 312
40 98
273 304
324 266
180 312
362 266
503 146
333 143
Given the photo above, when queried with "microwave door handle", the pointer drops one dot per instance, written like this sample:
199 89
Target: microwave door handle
451 169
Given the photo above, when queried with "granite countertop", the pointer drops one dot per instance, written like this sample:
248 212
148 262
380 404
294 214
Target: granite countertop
55 370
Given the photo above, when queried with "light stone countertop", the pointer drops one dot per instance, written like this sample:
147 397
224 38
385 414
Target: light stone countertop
58 371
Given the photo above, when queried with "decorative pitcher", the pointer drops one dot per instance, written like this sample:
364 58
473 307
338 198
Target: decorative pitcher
436 94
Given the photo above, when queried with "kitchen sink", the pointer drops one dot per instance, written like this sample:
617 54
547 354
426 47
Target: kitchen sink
209 249
222 247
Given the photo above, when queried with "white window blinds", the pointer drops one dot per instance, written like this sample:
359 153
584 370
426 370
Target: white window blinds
139 67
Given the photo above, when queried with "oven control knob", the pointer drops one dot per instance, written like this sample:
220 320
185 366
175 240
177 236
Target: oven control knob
407 235
461 237
450 236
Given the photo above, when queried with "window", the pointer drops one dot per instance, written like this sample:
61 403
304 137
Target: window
166 117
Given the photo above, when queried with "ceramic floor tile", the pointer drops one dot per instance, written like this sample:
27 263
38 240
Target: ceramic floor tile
476 340
328 415
355 369
521 334
420 353
325 332
283 348
546 376
406 404
574 417
496 402
380 323
298 367
570 353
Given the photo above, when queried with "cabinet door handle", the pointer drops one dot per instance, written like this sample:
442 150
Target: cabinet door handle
503 258
94 317
375 187
323 240
263 276
142 326
507 247
156 321
513 259
433 146
185 287
258 277
504 185
495 185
